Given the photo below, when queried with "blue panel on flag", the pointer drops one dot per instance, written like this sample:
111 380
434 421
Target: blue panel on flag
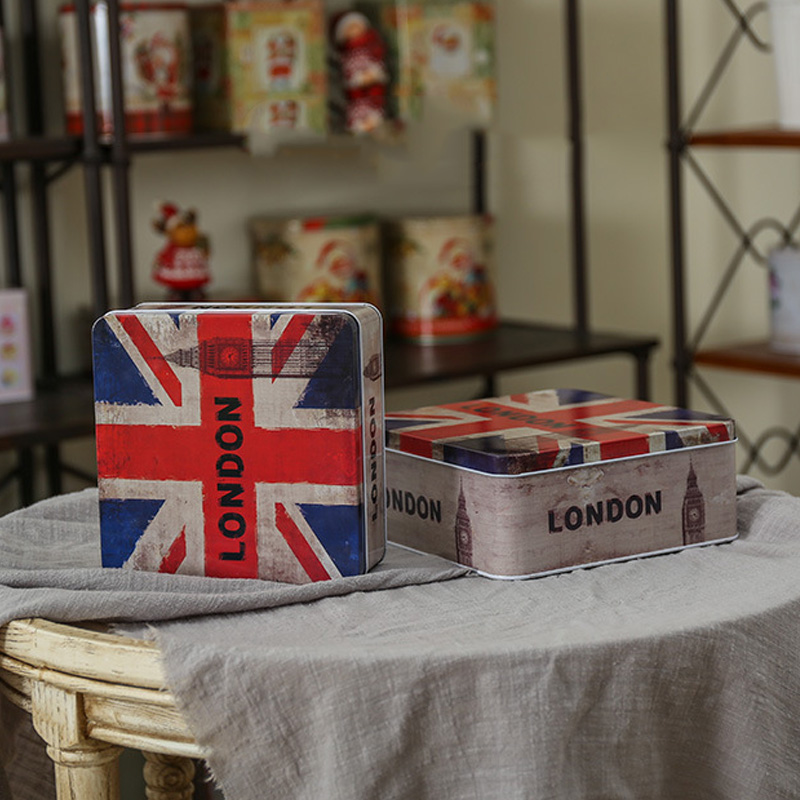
123 522
329 523
117 378
335 384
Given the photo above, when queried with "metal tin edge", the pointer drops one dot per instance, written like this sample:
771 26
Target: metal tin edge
562 570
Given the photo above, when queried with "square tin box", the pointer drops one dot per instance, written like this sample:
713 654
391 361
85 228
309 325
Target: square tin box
260 66
537 483
241 441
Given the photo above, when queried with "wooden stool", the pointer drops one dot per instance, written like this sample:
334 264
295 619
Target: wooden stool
90 694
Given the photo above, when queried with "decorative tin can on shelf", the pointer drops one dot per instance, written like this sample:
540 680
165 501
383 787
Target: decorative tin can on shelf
155 54
442 52
545 482
456 40
16 369
318 259
784 283
438 277
270 57
241 441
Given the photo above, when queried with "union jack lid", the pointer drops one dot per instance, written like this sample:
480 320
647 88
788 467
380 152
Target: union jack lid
544 430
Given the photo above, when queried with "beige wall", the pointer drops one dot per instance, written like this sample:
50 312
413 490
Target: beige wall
627 192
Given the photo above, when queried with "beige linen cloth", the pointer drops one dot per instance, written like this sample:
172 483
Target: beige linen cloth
676 676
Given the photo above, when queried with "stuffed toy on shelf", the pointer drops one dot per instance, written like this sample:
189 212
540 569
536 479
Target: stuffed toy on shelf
182 265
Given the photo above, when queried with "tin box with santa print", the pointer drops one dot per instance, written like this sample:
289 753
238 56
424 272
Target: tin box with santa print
155 51
531 484
259 66
240 440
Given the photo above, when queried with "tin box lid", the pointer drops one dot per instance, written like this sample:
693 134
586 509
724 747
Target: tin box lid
543 430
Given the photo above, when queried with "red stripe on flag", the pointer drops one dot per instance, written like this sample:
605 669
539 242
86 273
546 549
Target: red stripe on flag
176 555
288 341
302 550
152 355
227 429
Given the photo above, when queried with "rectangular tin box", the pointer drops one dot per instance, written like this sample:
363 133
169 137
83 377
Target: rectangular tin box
538 483
241 441
260 66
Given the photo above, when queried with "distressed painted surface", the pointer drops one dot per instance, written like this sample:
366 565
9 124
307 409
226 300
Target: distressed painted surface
212 423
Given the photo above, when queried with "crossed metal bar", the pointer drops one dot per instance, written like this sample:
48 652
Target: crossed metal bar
747 245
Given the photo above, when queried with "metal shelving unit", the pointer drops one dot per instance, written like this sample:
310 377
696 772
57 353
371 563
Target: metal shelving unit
684 138
47 420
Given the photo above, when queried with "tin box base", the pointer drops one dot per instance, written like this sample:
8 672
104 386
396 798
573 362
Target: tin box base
523 526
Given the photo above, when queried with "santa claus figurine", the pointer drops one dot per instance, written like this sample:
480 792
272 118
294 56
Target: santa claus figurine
364 74
182 264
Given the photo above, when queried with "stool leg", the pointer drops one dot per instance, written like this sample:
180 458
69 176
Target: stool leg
168 777
90 773
85 769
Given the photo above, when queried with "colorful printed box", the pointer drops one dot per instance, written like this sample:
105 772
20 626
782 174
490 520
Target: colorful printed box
442 52
241 441
16 373
260 66
439 283
156 67
318 259
537 483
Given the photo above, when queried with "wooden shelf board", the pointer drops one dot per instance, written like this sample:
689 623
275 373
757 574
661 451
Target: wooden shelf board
751 357
66 412
512 345
144 143
56 148
766 136
40 148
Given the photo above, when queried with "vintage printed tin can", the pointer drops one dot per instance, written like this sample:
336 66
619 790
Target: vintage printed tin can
439 277
156 68
544 482
442 53
241 441
784 283
456 43
16 369
274 75
318 259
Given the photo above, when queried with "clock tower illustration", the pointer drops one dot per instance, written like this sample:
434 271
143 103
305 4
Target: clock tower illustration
694 510
463 530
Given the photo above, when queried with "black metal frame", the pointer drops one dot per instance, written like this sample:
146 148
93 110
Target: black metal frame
41 175
681 130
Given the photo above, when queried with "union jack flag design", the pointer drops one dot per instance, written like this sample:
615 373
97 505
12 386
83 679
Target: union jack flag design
241 442
543 430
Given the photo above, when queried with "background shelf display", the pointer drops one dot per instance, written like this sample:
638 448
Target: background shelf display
63 409
756 357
